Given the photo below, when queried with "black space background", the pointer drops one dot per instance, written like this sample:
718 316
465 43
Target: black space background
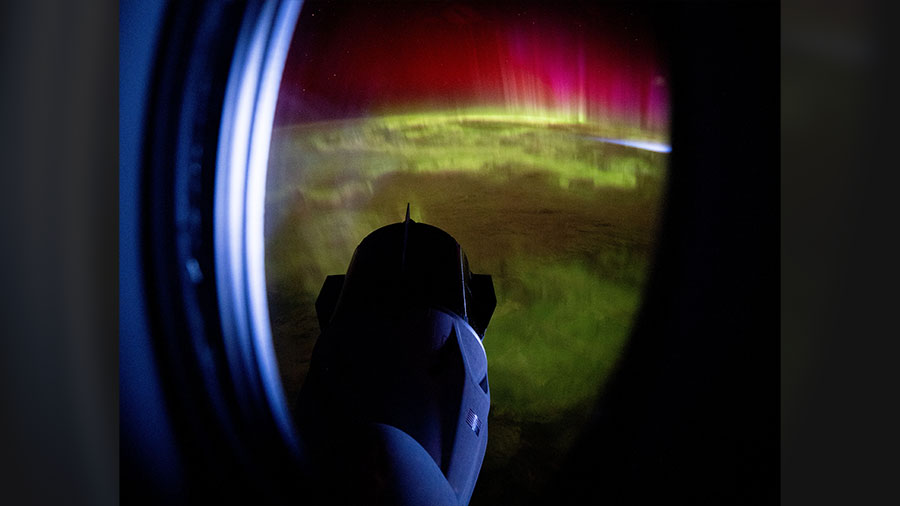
694 413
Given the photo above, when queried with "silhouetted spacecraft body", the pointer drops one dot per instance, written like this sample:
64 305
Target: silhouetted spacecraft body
394 408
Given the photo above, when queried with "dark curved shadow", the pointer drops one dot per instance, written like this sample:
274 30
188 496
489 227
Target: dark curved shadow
692 413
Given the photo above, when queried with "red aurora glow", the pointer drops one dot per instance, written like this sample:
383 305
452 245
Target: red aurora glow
580 61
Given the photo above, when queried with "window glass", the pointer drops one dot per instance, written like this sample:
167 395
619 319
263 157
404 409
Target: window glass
536 134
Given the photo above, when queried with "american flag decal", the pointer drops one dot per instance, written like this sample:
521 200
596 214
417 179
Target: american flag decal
474 422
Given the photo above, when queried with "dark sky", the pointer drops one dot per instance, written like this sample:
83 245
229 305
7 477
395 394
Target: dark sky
351 59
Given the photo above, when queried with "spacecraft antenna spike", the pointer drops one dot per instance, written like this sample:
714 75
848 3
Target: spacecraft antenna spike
405 237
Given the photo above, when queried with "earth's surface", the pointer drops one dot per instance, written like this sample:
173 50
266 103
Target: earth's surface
565 225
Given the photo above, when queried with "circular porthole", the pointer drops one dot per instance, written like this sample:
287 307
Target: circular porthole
282 133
